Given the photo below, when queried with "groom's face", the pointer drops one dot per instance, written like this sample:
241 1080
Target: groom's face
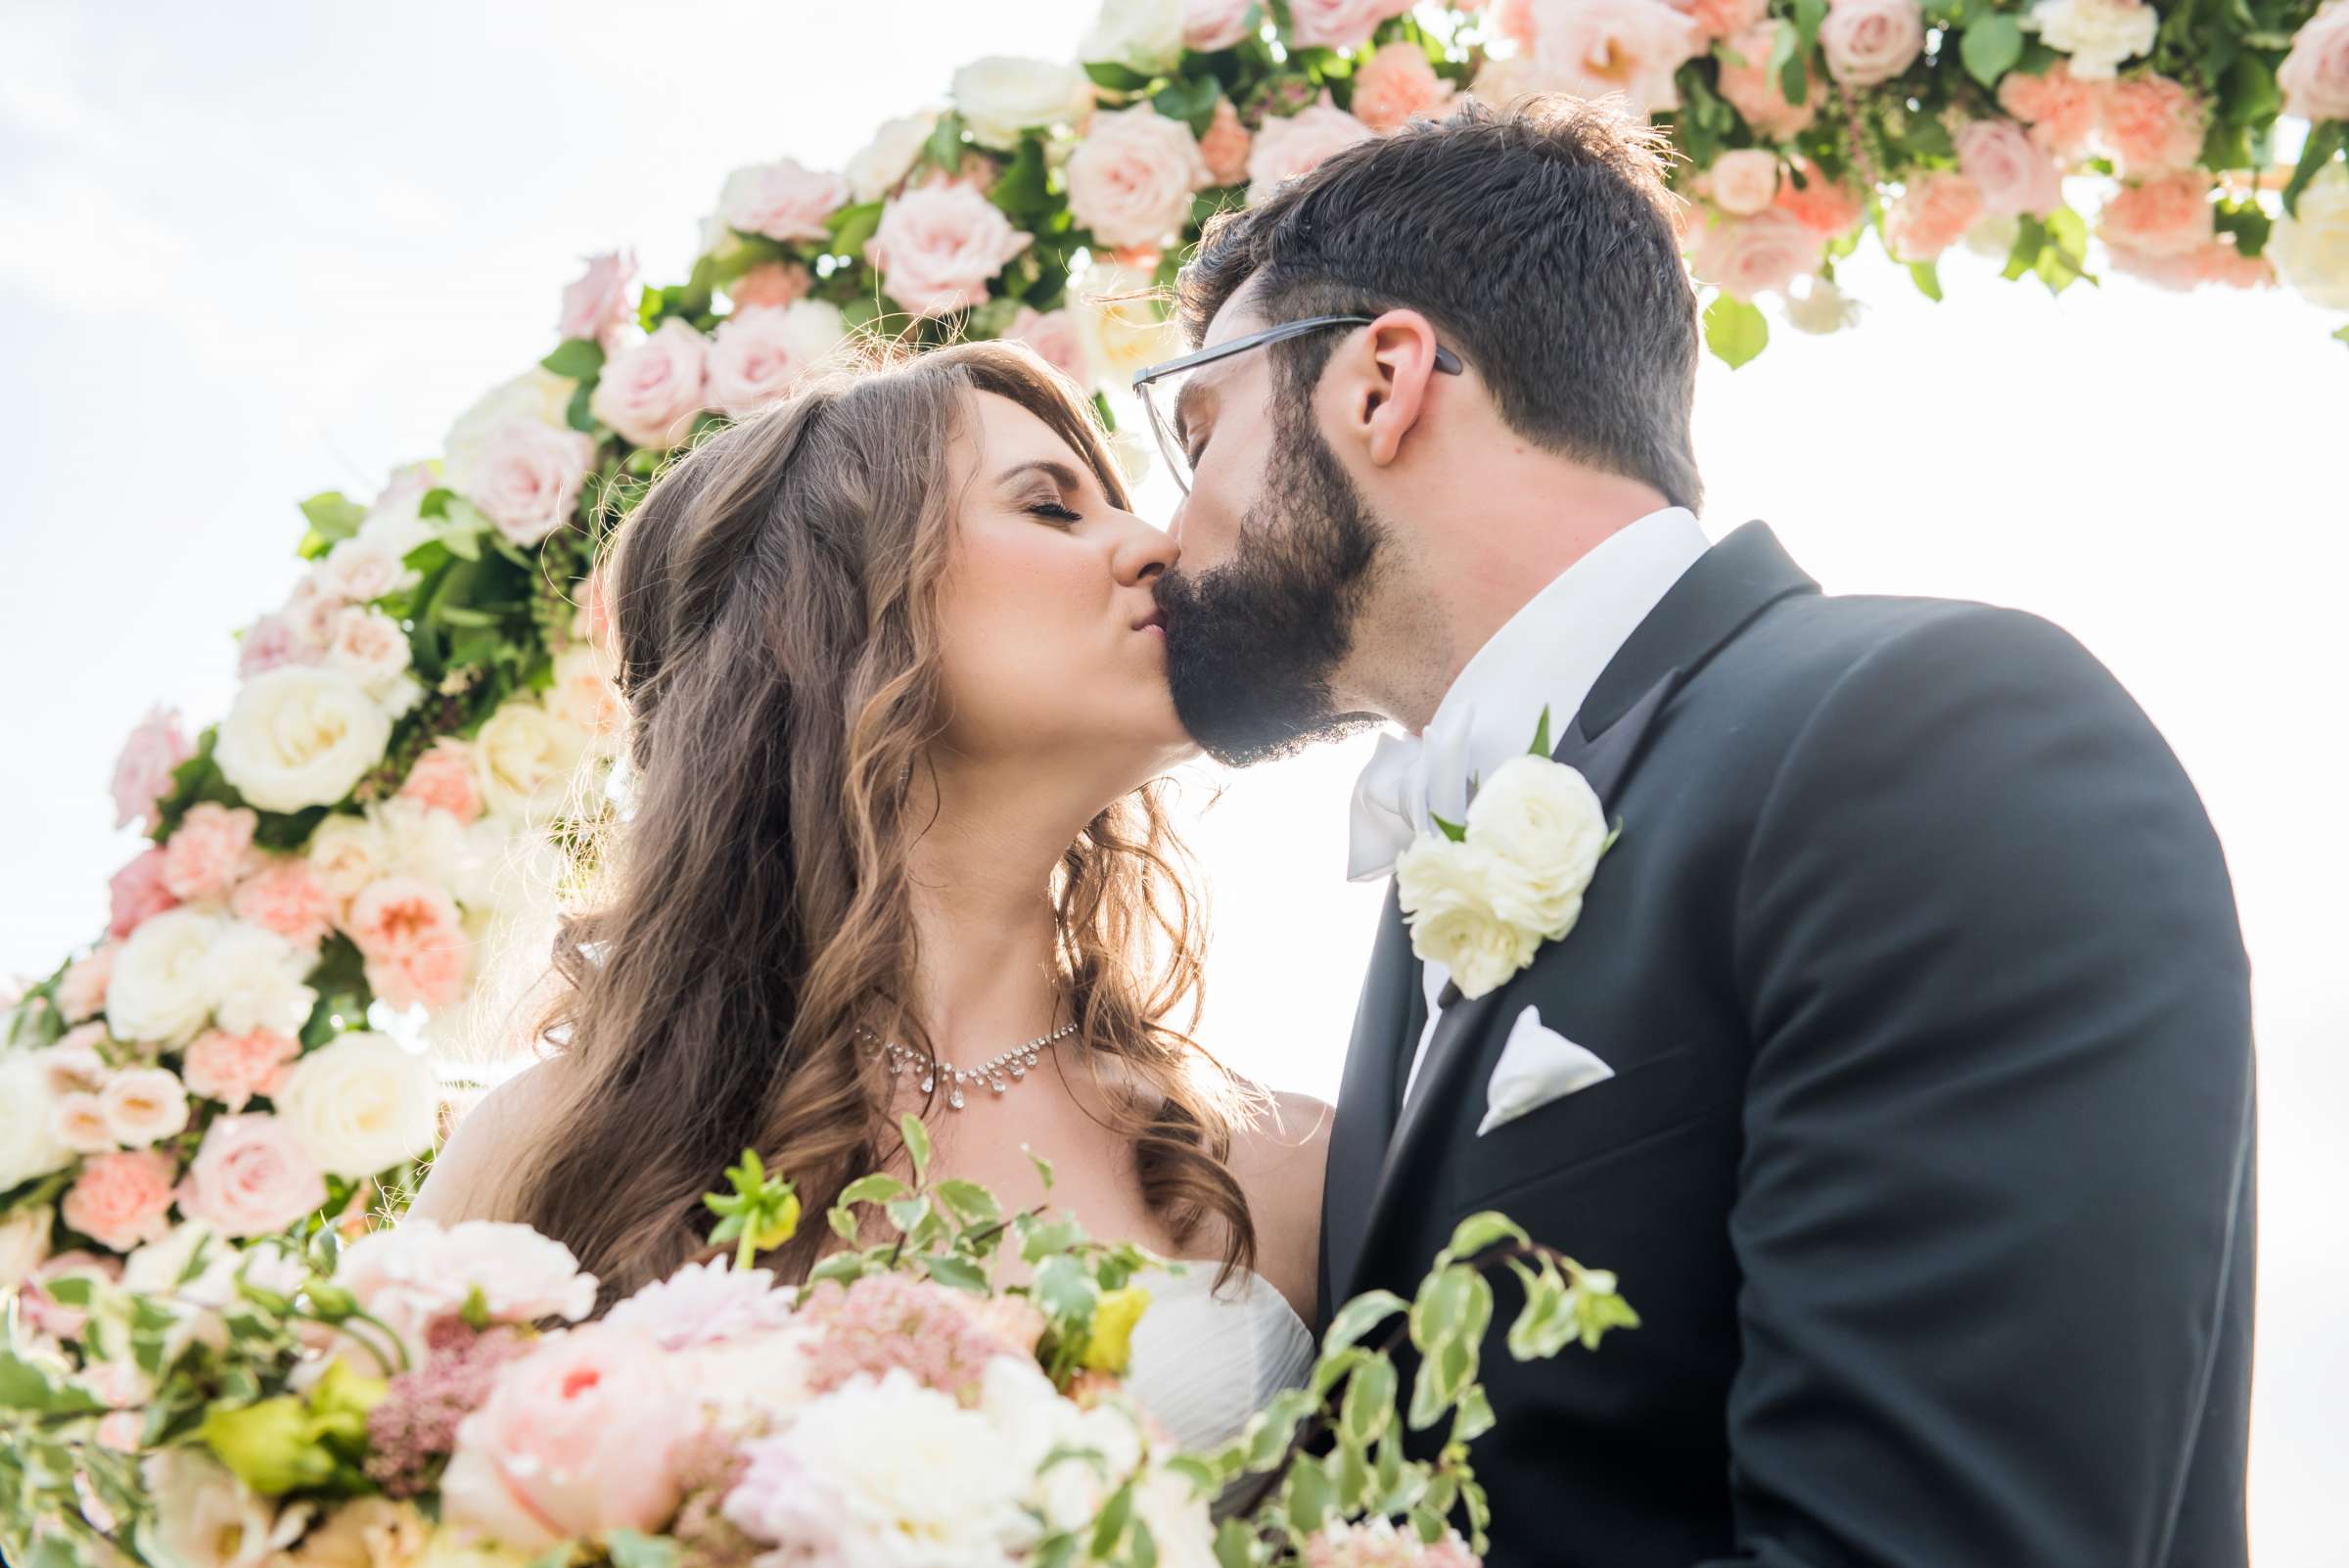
1277 548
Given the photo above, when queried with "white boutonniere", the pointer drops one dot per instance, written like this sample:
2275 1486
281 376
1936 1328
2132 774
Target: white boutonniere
1483 896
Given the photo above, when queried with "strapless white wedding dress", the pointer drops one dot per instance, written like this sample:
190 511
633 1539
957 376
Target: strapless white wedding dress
1206 1360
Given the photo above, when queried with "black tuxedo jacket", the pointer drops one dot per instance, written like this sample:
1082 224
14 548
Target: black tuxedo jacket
1928 1160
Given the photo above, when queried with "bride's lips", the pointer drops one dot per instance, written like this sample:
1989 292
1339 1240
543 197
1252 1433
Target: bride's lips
1153 622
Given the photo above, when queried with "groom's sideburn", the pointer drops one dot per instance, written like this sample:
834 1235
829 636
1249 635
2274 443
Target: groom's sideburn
1927 1156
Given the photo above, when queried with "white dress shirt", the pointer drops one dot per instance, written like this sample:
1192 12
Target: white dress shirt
1551 653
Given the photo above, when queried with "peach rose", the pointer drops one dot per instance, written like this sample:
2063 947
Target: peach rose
2061 110
1226 145
1933 213
1743 182
357 571
82 989
1756 91
1339 24
763 353
122 1200
250 1177
444 780
1397 85
1820 202
2012 173
138 892
783 200
937 247
285 896
1742 256
2169 215
207 851
770 283
79 1119
233 1068
596 305
584 693
2152 125
144 1105
143 772
1723 19
1131 179
1287 147
413 940
2218 262
650 391
1212 24
527 474
1052 334
1591 47
1870 42
2314 75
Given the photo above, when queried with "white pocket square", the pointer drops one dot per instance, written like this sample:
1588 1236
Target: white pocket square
1537 1066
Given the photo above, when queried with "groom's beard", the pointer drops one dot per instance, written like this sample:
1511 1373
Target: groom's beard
1252 645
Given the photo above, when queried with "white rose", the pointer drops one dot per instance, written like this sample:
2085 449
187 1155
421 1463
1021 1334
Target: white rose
143 1105
360 568
1119 323
1000 97
526 757
885 161
1540 820
29 1146
2098 34
299 736
347 853
207 1518
161 988
538 394
360 1104
2312 248
256 979
1822 308
1145 36
418 841
1446 891
23 1241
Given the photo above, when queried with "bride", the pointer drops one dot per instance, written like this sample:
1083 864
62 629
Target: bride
897 702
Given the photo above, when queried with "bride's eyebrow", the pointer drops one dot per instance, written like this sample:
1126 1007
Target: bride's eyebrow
1064 477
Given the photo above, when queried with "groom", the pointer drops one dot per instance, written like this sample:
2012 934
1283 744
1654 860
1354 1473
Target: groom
1900 1058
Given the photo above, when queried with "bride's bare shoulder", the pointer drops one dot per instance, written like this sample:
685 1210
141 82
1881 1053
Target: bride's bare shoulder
1278 1160
483 1150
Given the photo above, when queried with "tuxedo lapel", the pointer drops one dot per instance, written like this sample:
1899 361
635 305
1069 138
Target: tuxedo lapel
1386 1028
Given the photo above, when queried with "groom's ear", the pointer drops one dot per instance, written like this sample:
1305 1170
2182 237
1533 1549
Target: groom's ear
1390 389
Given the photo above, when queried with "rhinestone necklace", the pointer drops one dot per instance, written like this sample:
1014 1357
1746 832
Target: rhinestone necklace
997 1072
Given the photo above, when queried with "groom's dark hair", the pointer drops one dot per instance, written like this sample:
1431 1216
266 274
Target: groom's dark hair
1541 243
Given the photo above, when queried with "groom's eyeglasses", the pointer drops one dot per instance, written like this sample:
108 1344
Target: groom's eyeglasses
1161 387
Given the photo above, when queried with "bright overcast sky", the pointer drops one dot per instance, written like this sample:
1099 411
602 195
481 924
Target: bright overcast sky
241 260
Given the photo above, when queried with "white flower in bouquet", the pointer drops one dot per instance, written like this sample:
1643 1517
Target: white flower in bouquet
360 1104
23 1236
369 647
1547 829
705 1303
417 841
143 1105
348 852
2311 246
1000 95
156 1269
883 164
2098 34
207 1518
527 758
256 979
29 1146
299 737
1120 324
1446 890
360 569
162 988
1145 36
538 394
420 1272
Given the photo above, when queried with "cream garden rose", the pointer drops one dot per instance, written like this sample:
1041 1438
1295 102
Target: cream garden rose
2312 248
880 166
255 979
360 1103
24 1242
1543 825
300 736
1446 891
161 987
2097 34
1145 36
1118 321
527 756
1000 95
30 1144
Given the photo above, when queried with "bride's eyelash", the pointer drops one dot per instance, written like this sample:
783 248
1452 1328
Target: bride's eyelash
1054 512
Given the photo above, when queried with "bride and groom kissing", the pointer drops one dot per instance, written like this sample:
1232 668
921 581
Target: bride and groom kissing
1896 1051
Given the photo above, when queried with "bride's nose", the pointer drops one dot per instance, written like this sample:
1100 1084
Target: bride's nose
1140 552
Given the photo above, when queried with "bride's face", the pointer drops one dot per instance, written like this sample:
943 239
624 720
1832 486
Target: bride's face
1051 643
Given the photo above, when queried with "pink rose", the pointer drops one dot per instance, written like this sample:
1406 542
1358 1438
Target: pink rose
2217 262
1397 85
420 1273
444 780
1052 334
272 642
415 948
937 246
138 892
782 199
1820 202
1758 93
1226 145
1870 42
528 477
143 772
770 283
2314 75
1724 18
2152 125
285 896
2060 108
1933 213
650 391
763 353
1743 182
576 1437
2168 215
82 989
1742 256
596 307
1212 24
1288 148
122 1200
250 1177
1131 179
1591 47
2012 171
233 1068
207 851
1339 24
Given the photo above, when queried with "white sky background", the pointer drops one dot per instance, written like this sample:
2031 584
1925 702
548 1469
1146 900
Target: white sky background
244 259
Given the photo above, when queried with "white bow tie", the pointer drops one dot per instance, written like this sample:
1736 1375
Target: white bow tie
1408 780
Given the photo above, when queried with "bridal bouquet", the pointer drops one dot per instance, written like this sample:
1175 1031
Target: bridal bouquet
436 1397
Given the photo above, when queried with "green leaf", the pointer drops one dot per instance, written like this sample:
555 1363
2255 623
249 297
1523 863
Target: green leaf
1192 101
1111 1524
1358 1316
917 1142
1308 1497
1043 1167
577 358
578 414
968 1202
944 146
1440 1309
2324 141
1927 275
1116 77
1020 191
959 1274
1542 746
1735 330
879 1187
1990 46
1368 1407
1477 1231
2341 336
29 1386
333 516
1064 1288
1808 16
1235 1545
628 1549
851 227
1450 830
2252 96
1789 64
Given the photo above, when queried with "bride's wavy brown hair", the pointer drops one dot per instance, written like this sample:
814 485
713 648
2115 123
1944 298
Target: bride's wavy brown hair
777 605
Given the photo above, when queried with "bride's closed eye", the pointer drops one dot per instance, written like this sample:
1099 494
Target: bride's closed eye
1055 513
